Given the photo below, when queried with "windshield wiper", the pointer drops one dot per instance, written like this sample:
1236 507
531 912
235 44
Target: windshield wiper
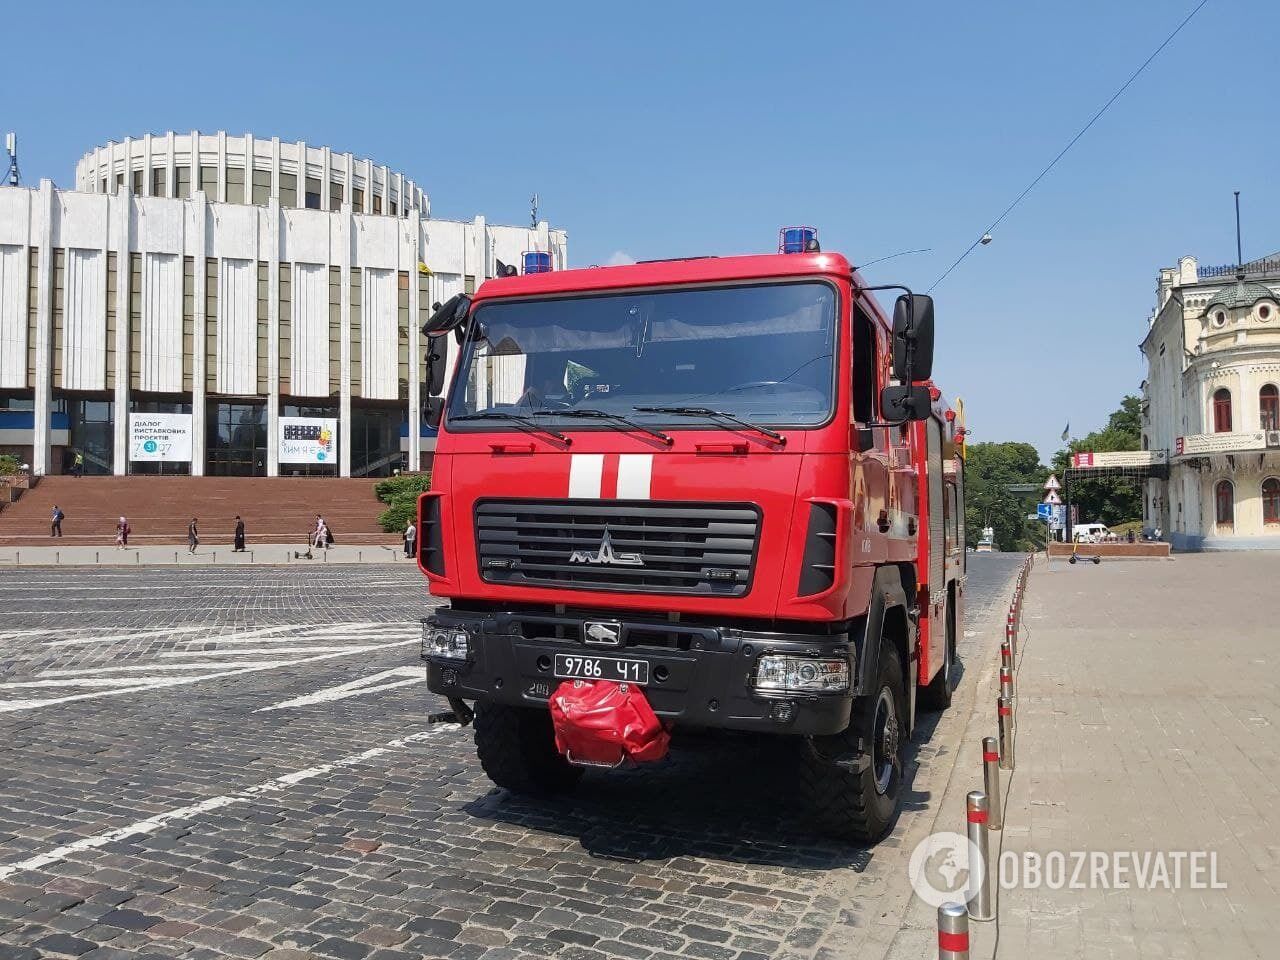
588 413
515 418
773 435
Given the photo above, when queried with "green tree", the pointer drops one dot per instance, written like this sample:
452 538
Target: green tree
989 469
1109 500
400 494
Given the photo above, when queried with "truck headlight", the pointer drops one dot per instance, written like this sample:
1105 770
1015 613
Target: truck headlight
447 642
778 674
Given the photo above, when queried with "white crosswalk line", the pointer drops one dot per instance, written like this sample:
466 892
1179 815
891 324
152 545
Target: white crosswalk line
390 679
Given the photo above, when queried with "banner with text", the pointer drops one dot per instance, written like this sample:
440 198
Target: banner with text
1220 442
1119 458
308 440
160 436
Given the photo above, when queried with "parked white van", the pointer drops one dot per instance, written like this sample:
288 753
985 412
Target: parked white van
1089 532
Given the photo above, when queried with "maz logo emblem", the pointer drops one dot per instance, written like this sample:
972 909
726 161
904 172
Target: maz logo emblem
606 555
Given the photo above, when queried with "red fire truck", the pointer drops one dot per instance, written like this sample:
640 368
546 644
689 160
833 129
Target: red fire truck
712 493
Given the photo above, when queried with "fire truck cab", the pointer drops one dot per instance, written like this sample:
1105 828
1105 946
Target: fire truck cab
719 492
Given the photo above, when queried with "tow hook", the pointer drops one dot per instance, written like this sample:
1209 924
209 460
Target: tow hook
458 712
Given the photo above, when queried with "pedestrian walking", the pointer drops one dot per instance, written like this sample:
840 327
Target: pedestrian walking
193 535
238 546
77 468
122 533
321 538
410 539
55 528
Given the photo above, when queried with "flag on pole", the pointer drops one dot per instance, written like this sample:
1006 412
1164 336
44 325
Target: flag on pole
1066 432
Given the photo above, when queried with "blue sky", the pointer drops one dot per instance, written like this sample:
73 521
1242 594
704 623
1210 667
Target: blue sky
669 129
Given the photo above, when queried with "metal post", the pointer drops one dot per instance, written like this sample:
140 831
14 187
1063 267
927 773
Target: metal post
1011 634
979 888
1006 655
991 781
1006 683
953 932
1004 714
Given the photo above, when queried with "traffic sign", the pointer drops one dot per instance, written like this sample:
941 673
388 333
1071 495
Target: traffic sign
1044 511
1052 483
1052 497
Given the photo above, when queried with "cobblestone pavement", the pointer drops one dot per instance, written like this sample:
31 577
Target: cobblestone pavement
226 762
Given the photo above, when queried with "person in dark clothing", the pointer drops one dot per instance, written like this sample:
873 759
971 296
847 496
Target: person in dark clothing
193 536
55 528
239 539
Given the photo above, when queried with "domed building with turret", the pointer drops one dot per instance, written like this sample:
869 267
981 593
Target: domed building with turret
1211 400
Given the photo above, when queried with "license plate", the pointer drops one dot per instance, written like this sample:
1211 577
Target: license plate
575 667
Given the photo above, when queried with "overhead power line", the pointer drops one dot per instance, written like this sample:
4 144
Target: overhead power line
1063 152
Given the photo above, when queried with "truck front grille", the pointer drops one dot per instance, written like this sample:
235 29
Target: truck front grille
618 545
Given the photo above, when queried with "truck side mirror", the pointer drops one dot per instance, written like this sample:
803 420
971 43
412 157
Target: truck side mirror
433 411
452 313
898 404
913 338
437 360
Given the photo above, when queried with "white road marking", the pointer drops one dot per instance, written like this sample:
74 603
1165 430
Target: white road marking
12 706
78 681
121 637
585 472
272 651
390 679
635 472
161 667
249 794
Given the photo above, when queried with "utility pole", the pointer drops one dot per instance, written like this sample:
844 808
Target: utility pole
1239 253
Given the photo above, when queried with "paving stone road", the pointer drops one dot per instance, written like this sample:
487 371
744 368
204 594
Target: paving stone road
241 762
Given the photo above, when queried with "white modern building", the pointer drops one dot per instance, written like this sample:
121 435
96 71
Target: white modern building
214 304
1212 401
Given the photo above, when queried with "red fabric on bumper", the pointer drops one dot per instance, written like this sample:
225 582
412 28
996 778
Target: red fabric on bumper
600 721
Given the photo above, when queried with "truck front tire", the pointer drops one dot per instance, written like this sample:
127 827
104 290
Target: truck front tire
854 779
517 749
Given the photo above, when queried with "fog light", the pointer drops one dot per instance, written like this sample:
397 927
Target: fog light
801 675
447 642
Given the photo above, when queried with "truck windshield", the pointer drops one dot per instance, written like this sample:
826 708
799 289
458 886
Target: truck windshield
761 352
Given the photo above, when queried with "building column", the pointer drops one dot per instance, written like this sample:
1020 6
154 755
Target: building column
120 204
200 324
345 223
43 223
416 345
273 335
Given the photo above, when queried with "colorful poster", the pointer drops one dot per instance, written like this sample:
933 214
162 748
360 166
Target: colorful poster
160 436
308 440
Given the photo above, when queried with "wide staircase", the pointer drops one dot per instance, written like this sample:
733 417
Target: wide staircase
158 508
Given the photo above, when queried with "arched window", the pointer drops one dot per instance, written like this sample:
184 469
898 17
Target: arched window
1222 410
1224 498
1271 501
1269 407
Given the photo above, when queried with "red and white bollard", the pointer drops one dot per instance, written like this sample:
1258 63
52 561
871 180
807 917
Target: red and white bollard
991 781
1004 714
953 932
978 892
1006 682
1011 633
1006 655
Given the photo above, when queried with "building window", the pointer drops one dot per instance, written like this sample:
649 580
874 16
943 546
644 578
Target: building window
1271 501
261 187
158 176
1269 407
1222 410
335 196
136 182
357 199
377 203
235 185
1220 319
288 190
1224 500
209 182
313 193
182 182
1264 313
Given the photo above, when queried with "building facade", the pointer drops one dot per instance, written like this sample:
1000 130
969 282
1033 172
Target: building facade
204 303
1212 401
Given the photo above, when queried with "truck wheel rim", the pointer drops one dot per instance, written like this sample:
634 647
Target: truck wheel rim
885 741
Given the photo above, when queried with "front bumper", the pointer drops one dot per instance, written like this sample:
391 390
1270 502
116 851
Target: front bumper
700 676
